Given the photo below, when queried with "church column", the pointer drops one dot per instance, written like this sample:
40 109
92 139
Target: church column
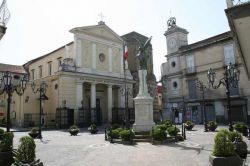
110 103
93 100
78 52
93 56
79 95
122 69
110 60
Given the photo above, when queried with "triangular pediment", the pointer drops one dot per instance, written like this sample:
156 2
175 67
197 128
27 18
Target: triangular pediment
100 31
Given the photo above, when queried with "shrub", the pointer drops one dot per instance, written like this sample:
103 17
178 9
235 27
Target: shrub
241 127
172 131
189 125
7 142
115 134
223 147
212 125
92 127
34 132
119 129
115 126
233 135
168 123
161 127
1 131
127 134
159 135
26 150
73 130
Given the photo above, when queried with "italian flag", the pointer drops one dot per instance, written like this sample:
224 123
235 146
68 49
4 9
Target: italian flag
125 57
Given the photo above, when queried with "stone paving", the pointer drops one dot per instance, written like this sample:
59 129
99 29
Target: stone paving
58 148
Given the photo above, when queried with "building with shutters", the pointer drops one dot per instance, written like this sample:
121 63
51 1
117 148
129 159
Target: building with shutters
187 63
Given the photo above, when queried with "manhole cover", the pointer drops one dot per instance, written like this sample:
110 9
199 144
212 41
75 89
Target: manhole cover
98 145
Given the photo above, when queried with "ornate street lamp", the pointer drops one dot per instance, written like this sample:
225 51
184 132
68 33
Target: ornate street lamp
42 90
203 88
230 79
10 82
4 18
126 91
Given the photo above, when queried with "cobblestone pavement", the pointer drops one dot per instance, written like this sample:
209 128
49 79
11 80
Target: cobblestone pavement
58 148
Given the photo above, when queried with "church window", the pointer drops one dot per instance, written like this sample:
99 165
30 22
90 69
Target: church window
33 74
49 68
175 85
59 60
40 72
173 64
190 63
101 57
229 54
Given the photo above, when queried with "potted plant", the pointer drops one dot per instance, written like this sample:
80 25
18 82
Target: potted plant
33 132
93 129
223 151
1 133
240 145
74 130
189 125
241 127
212 125
6 156
25 153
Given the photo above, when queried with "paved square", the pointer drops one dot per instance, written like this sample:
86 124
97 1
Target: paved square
58 148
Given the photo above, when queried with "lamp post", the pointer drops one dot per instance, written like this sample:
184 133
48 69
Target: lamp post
10 82
230 78
42 90
203 88
126 91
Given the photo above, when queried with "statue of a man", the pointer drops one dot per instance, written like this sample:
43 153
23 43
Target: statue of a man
142 56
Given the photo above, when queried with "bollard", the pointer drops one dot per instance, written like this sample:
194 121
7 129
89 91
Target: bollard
106 135
184 136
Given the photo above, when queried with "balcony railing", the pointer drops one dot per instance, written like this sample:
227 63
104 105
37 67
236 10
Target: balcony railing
190 70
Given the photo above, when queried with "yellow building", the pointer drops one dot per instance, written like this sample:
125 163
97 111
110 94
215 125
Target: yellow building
85 80
187 63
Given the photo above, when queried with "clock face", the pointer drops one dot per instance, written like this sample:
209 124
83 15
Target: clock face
172 43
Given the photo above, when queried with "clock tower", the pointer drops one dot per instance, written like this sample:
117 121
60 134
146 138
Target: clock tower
175 36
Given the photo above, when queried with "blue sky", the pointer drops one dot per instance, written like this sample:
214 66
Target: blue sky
37 27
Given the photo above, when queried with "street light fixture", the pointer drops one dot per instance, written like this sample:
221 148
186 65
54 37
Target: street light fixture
10 82
230 79
42 90
203 88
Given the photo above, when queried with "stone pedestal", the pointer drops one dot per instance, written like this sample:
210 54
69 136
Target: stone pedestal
143 106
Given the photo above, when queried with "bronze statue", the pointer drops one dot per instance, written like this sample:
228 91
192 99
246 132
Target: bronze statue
142 56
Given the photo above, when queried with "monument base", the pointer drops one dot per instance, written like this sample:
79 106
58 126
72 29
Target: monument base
143 113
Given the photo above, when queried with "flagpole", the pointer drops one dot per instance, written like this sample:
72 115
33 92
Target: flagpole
125 89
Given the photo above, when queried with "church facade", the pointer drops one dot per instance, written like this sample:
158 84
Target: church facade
85 81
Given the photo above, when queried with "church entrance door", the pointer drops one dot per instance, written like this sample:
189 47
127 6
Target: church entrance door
98 111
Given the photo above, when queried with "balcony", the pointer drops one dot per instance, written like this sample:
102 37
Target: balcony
190 70
238 14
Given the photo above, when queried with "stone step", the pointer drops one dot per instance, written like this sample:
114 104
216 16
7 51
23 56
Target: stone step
142 140
143 137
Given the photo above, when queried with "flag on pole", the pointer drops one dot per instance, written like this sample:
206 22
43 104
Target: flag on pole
125 56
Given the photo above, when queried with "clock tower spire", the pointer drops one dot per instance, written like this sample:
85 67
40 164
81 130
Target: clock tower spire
175 36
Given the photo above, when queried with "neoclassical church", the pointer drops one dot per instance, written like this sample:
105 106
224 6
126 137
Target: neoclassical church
85 81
